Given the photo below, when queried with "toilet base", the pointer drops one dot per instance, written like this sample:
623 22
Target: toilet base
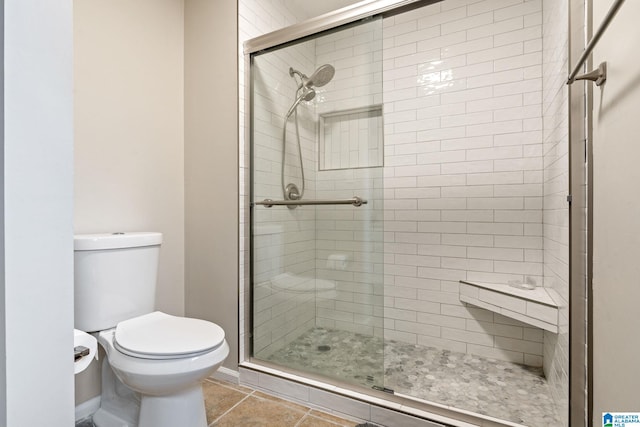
185 409
119 405
122 407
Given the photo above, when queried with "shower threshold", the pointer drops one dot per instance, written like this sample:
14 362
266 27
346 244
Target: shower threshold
501 390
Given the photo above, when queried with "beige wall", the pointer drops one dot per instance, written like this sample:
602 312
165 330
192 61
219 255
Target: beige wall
139 153
129 133
211 165
616 215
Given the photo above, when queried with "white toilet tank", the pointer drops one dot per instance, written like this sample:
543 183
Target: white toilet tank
114 278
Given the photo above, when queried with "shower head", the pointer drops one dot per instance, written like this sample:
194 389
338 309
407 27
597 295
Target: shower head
320 77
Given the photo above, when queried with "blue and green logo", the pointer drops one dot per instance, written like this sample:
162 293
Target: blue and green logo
607 420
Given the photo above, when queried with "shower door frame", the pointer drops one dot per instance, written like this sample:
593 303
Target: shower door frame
279 38
579 247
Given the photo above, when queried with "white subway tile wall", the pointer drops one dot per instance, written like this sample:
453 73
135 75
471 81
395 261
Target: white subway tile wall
284 256
351 139
556 188
349 240
284 307
298 251
463 171
472 186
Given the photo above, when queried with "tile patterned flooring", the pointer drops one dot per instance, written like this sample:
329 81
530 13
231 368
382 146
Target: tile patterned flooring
498 389
230 405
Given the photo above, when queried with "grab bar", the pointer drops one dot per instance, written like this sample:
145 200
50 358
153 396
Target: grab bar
600 74
355 201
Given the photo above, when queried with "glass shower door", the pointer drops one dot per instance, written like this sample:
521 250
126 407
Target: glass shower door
316 216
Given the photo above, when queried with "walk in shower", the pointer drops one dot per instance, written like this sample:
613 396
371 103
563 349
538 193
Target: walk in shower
408 175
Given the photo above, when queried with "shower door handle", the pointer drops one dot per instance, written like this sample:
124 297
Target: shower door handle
355 201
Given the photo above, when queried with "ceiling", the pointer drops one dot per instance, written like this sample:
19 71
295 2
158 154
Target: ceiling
306 9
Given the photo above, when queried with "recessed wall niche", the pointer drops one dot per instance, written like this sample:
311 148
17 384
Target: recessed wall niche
351 138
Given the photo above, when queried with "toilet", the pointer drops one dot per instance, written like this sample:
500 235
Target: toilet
156 362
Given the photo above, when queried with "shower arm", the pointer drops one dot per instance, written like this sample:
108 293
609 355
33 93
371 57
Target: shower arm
303 77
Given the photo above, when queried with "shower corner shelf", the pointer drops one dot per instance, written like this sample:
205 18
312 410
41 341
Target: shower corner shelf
535 307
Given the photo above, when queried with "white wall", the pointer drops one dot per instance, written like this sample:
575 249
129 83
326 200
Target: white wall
556 187
129 134
3 324
284 248
354 169
463 171
616 215
464 180
37 309
256 18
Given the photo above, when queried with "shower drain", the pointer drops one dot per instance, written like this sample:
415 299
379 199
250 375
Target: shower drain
324 348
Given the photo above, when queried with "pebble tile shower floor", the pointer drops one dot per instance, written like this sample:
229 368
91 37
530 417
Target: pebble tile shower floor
503 390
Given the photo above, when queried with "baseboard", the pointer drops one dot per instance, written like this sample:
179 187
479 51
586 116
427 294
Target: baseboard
88 408
226 374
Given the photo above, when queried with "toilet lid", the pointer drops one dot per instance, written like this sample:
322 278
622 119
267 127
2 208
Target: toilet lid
160 335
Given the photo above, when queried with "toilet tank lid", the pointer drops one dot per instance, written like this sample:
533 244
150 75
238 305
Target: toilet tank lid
118 240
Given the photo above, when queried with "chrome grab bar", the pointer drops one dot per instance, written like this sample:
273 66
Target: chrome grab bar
599 75
355 201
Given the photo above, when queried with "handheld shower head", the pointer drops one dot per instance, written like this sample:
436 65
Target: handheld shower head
307 95
305 92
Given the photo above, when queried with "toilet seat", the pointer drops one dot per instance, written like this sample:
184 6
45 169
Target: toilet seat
159 335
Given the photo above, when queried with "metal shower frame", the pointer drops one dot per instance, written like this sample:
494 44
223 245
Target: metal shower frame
580 397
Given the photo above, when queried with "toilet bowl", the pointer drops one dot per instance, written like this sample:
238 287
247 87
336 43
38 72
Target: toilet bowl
164 358
152 375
